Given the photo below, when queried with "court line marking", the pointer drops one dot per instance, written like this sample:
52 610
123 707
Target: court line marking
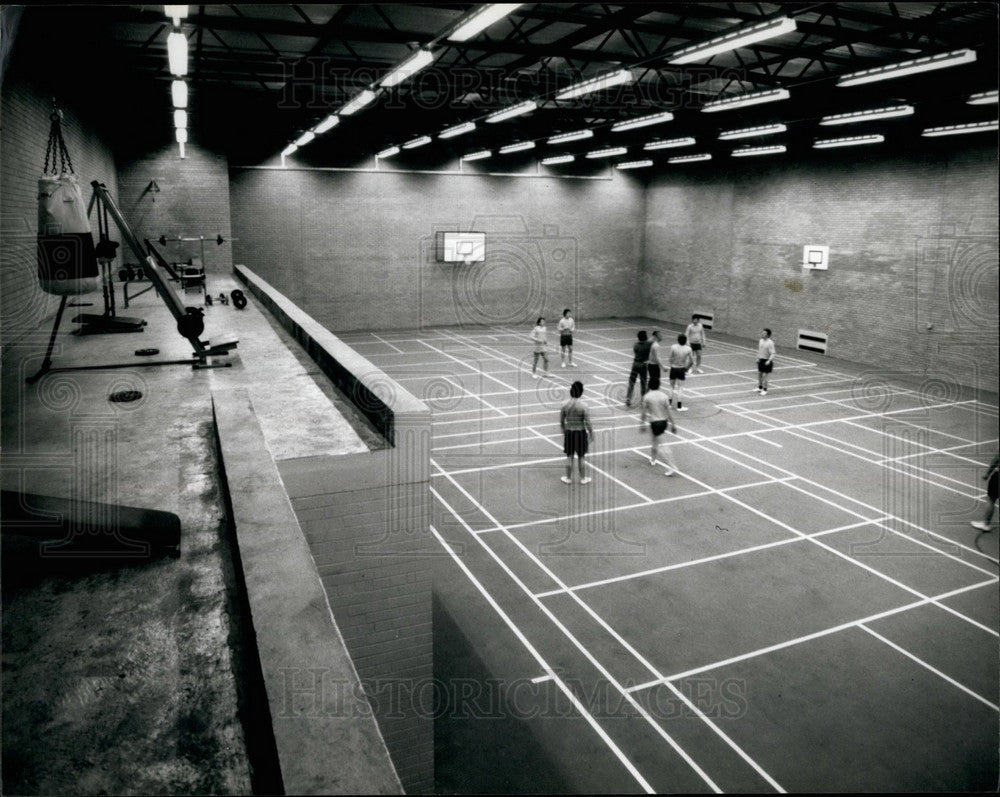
621 641
810 637
543 678
693 562
764 440
589 656
482 401
927 666
467 365
387 343
544 665
604 473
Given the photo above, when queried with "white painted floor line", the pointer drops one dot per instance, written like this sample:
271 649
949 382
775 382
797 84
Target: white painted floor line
467 365
810 637
556 519
764 440
653 571
543 678
927 666
477 397
592 466
587 654
607 627
548 670
387 343
918 426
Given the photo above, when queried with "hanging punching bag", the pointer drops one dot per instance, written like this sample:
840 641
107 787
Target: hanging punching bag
66 262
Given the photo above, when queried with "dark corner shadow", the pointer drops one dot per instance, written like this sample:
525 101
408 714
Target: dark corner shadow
482 755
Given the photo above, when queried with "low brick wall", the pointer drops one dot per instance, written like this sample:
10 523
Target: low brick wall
367 520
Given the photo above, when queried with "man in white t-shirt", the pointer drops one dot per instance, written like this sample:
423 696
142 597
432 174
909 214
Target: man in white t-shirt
566 328
765 360
680 361
696 340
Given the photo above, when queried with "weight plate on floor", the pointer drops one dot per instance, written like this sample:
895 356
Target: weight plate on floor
146 352
126 395
239 299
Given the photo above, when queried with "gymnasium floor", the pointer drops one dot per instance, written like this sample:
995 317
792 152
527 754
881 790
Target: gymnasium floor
804 607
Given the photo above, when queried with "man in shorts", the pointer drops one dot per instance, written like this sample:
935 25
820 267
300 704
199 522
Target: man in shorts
696 340
765 360
577 432
680 360
566 328
656 407
539 337
640 361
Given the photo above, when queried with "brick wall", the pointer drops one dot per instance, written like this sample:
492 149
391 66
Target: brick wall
193 201
912 283
26 108
356 250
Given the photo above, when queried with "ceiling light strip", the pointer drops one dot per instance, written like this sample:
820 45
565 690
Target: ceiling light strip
743 100
888 112
642 121
743 37
850 141
750 132
911 67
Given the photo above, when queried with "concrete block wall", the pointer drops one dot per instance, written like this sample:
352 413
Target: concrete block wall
355 250
912 283
193 201
26 110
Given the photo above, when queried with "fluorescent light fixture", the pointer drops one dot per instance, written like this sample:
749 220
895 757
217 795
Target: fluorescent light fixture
409 67
181 135
610 152
731 41
179 93
642 121
743 100
850 141
364 98
514 110
181 119
481 20
912 67
477 156
704 156
331 121
686 141
576 135
419 141
634 164
176 13
520 146
954 130
983 98
749 151
888 112
305 138
556 159
457 130
388 153
595 84
288 150
177 53
750 132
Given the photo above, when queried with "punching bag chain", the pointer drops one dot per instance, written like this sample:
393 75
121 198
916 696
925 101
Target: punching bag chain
56 148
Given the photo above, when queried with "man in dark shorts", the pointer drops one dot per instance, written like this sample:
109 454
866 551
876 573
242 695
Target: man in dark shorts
765 360
680 361
991 494
653 366
577 432
696 340
640 359
566 328
656 407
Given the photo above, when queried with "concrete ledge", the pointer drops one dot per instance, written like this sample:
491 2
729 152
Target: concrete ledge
382 400
325 734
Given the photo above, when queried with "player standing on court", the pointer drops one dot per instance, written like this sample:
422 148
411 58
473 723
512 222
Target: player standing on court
991 495
539 336
566 328
577 432
656 407
654 358
680 360
640 359
696 340
765 360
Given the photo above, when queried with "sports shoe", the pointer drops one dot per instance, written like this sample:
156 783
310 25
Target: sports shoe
563 365
682 409
652 461
978 524
763 392
534 375
586 480
565 479
669 472
757 389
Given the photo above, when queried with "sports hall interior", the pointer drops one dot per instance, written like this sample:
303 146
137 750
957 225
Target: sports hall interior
282 508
